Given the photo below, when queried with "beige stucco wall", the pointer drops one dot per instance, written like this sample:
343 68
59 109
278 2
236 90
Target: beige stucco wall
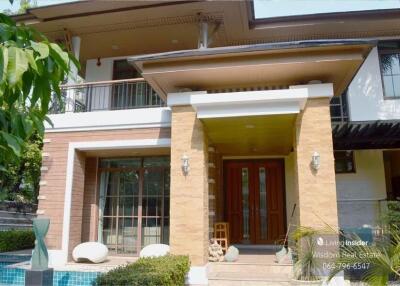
189 212
358 193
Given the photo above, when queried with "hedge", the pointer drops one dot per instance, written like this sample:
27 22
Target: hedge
16 239
167 270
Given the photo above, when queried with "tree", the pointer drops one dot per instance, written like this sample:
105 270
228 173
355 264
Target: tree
23 6
21 181
31 70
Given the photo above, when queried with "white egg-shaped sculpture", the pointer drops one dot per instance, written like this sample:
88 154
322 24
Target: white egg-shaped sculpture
155 250
95 252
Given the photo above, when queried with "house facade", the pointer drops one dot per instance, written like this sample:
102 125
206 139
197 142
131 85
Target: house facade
185 114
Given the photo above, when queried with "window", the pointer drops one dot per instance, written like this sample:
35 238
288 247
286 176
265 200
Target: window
133 203
124 70
338 107
344 162
389 56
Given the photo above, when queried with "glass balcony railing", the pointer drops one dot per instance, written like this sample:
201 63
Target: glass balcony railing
106 95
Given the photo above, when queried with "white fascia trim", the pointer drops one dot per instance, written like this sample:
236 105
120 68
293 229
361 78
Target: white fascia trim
94 145
250 103
316 90
249 110
110 120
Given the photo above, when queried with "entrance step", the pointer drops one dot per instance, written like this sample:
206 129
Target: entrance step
249 268
249 274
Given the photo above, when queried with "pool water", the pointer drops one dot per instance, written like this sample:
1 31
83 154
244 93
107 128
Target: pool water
16 277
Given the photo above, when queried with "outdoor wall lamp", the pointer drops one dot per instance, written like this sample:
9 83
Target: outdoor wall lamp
185 164
315 161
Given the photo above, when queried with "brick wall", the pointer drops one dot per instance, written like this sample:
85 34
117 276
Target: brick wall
78 187
90 202
53 180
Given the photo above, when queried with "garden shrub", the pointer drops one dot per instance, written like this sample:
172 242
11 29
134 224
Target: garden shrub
167 270
16 239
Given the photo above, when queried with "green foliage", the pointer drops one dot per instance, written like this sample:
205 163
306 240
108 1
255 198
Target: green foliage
21 181
306 264
392 216
31 70
23 6
168 270
382 259
11 240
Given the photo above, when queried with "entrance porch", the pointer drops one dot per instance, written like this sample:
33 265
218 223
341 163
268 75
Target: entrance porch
250 170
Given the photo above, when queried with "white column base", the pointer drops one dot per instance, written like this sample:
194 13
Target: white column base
57 258
197 276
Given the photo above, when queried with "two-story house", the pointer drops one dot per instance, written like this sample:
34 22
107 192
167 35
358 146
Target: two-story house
191 113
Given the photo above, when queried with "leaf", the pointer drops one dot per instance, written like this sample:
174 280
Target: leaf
6 20
3 63
41 89
31 59
17 65
13 142
27 78
75 61
6 32
38 122
48 120
59 56
41 48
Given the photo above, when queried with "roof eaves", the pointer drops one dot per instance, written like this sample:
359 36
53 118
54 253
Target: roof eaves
250 48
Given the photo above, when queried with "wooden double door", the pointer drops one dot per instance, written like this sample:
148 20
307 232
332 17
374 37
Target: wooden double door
255 200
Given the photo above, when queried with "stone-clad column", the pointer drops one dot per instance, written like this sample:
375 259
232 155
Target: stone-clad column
189 194
317 202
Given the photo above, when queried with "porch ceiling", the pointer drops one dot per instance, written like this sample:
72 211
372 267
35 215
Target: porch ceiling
253 135
254 66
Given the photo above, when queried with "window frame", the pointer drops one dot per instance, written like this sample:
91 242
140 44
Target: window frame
353 170
386 52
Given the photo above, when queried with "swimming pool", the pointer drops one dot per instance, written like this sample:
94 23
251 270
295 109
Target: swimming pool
16 277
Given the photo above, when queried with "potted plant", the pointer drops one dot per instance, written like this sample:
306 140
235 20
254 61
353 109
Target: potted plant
306 265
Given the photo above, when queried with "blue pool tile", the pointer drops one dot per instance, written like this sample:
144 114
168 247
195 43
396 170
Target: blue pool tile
16 277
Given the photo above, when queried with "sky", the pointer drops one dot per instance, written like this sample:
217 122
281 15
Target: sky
5 4
276 8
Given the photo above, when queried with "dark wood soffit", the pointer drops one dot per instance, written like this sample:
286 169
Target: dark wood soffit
381 134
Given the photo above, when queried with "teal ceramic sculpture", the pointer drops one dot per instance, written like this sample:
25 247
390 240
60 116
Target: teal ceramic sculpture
40 256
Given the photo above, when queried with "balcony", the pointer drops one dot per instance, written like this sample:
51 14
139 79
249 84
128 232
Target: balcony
106 95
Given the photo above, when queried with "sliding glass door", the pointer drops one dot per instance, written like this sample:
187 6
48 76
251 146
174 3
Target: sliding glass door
134 203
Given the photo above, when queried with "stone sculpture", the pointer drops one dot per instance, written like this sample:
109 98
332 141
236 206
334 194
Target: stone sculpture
232 254
40 256
95 252
40 273
215 253
155 250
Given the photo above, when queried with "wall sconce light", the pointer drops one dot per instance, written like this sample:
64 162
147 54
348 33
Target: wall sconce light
185 164
98 62
315 161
